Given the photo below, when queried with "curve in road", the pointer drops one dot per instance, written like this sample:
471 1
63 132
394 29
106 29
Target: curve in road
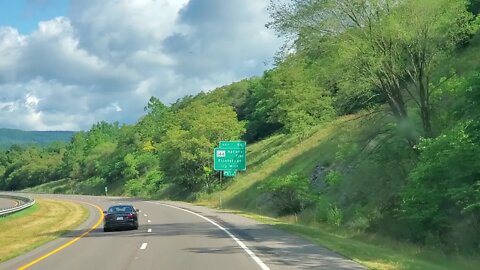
176 235
7 203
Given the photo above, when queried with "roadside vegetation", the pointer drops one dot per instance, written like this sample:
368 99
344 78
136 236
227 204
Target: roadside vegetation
368 125
37 225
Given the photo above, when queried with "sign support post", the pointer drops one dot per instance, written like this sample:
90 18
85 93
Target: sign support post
228 158
221 174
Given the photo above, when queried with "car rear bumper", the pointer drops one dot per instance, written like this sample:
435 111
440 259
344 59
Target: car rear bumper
120 224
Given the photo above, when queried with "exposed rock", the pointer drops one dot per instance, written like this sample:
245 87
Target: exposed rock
317 178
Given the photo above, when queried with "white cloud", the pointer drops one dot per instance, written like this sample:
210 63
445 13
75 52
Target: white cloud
11 44
31 102
105 59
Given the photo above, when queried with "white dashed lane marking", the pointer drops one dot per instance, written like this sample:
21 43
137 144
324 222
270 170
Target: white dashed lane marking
149 230
144 246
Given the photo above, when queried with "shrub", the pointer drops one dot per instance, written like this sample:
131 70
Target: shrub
290 194
359 222
133 187
153 181
92 186
333 178
334 216
322 207
444 187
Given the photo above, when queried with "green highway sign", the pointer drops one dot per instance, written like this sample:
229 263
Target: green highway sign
233 144
229 173
227 159
230 157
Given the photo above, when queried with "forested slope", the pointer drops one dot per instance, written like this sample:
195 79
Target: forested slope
9 137
370 121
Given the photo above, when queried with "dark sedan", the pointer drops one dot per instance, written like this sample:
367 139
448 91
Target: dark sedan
120 216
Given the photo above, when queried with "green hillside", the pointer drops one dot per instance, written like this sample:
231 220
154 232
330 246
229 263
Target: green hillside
311 159
9 137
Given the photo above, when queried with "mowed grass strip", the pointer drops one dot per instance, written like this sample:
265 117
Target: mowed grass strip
43 222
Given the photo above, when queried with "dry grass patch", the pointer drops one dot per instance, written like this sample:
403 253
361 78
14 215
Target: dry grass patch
50 219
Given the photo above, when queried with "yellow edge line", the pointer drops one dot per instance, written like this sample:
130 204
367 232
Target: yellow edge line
66 244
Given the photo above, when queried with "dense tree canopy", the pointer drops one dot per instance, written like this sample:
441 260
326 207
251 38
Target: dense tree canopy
392 46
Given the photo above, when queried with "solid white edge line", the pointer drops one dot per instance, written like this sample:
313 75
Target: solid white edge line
149 230
240 243
144 246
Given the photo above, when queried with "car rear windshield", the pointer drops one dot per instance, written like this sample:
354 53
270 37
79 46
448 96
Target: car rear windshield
120 209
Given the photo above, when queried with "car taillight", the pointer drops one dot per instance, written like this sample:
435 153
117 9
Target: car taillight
131 215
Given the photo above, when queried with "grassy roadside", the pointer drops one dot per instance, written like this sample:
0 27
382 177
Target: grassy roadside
369 250
68 186
42 223
53 187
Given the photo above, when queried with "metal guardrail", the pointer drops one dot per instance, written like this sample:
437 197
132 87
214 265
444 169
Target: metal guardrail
25 203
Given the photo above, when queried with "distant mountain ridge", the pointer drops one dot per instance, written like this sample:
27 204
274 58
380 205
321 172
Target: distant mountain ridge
8 137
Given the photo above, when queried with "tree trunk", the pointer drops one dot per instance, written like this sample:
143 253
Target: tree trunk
424 104
393 95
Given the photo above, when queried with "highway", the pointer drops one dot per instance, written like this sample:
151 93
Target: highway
175 235
6 203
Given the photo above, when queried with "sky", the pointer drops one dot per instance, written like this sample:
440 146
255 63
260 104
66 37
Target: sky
67 64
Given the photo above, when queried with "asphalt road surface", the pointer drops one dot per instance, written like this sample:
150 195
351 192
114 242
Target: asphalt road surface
176 235
7 203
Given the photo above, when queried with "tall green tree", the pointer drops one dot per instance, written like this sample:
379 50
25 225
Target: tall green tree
156 122
258 108
186 152
299 102
427 33
378 45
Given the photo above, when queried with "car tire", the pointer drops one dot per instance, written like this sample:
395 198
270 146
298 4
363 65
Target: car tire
106 229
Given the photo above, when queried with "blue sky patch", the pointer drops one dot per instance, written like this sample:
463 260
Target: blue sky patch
25 15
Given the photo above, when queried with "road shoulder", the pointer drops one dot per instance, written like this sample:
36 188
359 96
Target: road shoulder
278 249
